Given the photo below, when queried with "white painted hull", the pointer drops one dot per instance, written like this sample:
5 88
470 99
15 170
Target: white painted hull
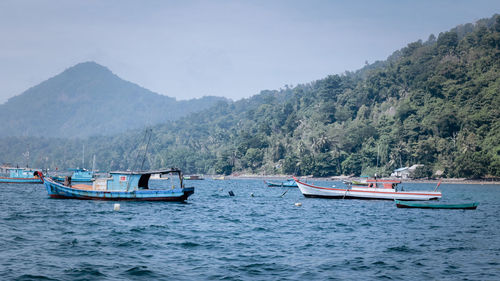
309 190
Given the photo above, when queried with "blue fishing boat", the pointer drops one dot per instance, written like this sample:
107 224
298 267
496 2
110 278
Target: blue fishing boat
22 175
287 183
129 186
79 175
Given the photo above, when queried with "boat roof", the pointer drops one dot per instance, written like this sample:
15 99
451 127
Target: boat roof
27 169
163 171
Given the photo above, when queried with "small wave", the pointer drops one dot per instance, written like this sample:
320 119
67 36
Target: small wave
26 277
130 243
401 249
454 249
20 239
141 271
259 229
88 272
189 244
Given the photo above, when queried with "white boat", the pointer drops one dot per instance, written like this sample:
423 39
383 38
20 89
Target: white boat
376 189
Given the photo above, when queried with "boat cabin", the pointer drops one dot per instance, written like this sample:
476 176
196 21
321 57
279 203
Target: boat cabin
22 173
128 181
82 174
377 183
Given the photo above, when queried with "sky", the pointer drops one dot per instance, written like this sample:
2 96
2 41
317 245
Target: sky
189 49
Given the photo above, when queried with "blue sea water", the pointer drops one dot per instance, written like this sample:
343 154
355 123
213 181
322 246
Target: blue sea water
215 236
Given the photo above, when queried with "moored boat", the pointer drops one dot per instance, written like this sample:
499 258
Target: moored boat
193 178
130 186
22 175
420 205
287 183
376 189
79 175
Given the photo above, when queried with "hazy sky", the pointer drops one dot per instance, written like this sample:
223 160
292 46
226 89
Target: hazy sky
188 49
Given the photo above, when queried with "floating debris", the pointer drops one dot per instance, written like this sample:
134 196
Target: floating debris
116 207
231 193
298 204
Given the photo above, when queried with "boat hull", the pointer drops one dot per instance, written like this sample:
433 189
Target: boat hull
57 190
20 180
309 190
465 206
281 184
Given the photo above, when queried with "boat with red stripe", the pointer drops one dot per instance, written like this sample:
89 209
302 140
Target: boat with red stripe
376 189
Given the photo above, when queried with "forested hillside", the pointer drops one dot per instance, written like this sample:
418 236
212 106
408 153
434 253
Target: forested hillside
88 99
434 103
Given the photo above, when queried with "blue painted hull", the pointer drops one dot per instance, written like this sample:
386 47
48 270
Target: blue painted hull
20 180
57 190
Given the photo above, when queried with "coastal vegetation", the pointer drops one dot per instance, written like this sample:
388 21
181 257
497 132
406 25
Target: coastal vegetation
434 102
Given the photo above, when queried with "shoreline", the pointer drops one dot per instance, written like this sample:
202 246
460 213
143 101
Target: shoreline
341 178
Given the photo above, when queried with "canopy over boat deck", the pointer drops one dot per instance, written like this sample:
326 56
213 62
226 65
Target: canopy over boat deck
125 180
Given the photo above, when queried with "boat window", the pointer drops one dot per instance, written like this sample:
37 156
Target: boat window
143 181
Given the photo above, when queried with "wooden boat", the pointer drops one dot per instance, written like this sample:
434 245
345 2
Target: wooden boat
79 175
463 206
131 186
376 189
22 175
287 183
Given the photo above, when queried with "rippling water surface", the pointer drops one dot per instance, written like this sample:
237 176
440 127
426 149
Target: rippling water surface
261 237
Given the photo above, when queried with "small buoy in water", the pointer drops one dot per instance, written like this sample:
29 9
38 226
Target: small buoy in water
251 194
231 193
116 207
298 204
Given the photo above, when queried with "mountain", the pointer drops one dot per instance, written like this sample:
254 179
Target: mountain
88 99
434 103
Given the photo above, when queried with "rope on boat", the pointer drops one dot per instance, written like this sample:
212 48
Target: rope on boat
346 190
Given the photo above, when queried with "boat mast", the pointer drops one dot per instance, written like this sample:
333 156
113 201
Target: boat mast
378 152
83 156
27 155
146 150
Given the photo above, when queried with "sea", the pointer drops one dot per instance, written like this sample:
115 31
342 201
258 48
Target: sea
260 233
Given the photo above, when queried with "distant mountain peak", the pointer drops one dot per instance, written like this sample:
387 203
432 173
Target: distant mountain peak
88 99
88 64
88 67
